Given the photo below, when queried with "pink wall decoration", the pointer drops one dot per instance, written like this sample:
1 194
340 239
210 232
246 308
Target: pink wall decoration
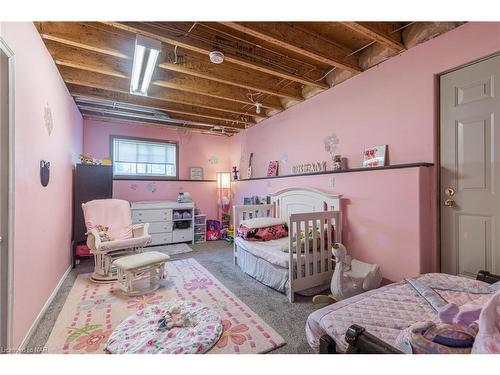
42 225
195 150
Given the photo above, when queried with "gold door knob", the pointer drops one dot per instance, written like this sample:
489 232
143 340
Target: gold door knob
449 191
449 202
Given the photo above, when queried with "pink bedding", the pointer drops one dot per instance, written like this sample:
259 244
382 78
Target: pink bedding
386 311
273 232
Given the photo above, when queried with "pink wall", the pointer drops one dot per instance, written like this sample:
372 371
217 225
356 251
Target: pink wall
394 103
195 150
375 227
42 215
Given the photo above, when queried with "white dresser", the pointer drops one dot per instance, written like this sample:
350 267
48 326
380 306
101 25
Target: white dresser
169 221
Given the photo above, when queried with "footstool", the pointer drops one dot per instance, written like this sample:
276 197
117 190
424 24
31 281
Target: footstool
140 273
174 327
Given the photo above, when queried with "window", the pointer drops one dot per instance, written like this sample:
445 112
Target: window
135 158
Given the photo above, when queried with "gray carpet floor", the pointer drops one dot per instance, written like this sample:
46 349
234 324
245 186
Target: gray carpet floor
288 319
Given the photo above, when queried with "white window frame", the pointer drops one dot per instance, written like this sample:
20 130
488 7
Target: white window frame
144 176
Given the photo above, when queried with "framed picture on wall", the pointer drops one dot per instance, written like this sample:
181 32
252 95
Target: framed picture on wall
272 170
374 156
196 173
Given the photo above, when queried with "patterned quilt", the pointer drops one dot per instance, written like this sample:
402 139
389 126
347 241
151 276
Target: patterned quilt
384 312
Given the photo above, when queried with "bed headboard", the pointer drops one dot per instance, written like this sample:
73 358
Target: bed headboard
287 202
302 200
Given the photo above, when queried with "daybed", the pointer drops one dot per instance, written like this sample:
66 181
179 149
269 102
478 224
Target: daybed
314 223
371 322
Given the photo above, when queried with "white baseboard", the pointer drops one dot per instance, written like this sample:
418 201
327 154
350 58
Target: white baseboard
31 330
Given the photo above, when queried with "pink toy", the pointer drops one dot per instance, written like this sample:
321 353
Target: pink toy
454 334
488 338
213 230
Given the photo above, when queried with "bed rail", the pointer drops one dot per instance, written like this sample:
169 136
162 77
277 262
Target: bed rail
311 236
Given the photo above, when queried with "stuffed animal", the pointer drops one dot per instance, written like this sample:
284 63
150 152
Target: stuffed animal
103 233
350 277
88 159
453 334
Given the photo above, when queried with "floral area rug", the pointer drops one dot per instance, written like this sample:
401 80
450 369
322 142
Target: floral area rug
92 311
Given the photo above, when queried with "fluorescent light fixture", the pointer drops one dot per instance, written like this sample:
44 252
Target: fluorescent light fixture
146 53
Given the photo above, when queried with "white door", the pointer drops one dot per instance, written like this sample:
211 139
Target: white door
6 92
470 169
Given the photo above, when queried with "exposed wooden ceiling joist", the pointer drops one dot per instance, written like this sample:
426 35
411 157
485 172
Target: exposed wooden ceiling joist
184 121
121 119
370 30
276 64
184 40
212 89
230 74
68 56
66 40
91 79
300 41
172 109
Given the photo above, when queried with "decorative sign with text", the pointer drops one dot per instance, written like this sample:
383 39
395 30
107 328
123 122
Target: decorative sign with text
319 166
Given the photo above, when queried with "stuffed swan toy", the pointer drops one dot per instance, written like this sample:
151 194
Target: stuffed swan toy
350 277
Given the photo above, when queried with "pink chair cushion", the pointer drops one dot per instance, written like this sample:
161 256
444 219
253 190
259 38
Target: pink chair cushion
113 213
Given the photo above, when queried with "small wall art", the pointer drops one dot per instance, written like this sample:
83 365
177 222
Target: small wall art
374 156
272 170
47 117
44 172
213 160
196 173
331 143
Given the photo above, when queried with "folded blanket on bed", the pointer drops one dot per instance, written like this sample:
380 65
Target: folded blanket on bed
273 232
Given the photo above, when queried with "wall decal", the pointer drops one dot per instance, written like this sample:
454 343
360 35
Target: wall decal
134 186
47 118
331 143
44 172
213 159
151 187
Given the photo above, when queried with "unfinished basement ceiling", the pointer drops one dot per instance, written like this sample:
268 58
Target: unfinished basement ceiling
271 65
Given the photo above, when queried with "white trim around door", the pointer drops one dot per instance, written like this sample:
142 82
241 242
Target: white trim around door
8 340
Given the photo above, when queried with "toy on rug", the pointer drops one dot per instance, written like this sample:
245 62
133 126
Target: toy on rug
103 233
453 334
213 230
350 277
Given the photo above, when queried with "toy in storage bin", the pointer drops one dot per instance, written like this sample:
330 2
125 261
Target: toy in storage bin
213 230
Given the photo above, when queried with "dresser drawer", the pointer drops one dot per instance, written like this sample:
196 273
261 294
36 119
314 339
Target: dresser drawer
160 238
160 227
149 216
182 235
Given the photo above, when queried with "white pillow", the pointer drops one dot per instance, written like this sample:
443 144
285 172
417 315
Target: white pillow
262 222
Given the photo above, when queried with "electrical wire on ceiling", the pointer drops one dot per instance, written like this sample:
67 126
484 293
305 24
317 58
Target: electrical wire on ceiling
218 44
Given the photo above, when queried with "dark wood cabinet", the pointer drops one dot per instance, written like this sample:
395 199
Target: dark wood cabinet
90 182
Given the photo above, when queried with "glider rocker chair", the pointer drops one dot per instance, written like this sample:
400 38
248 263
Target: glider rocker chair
111 235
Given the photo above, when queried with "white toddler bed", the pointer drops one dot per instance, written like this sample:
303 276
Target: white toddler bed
301 261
